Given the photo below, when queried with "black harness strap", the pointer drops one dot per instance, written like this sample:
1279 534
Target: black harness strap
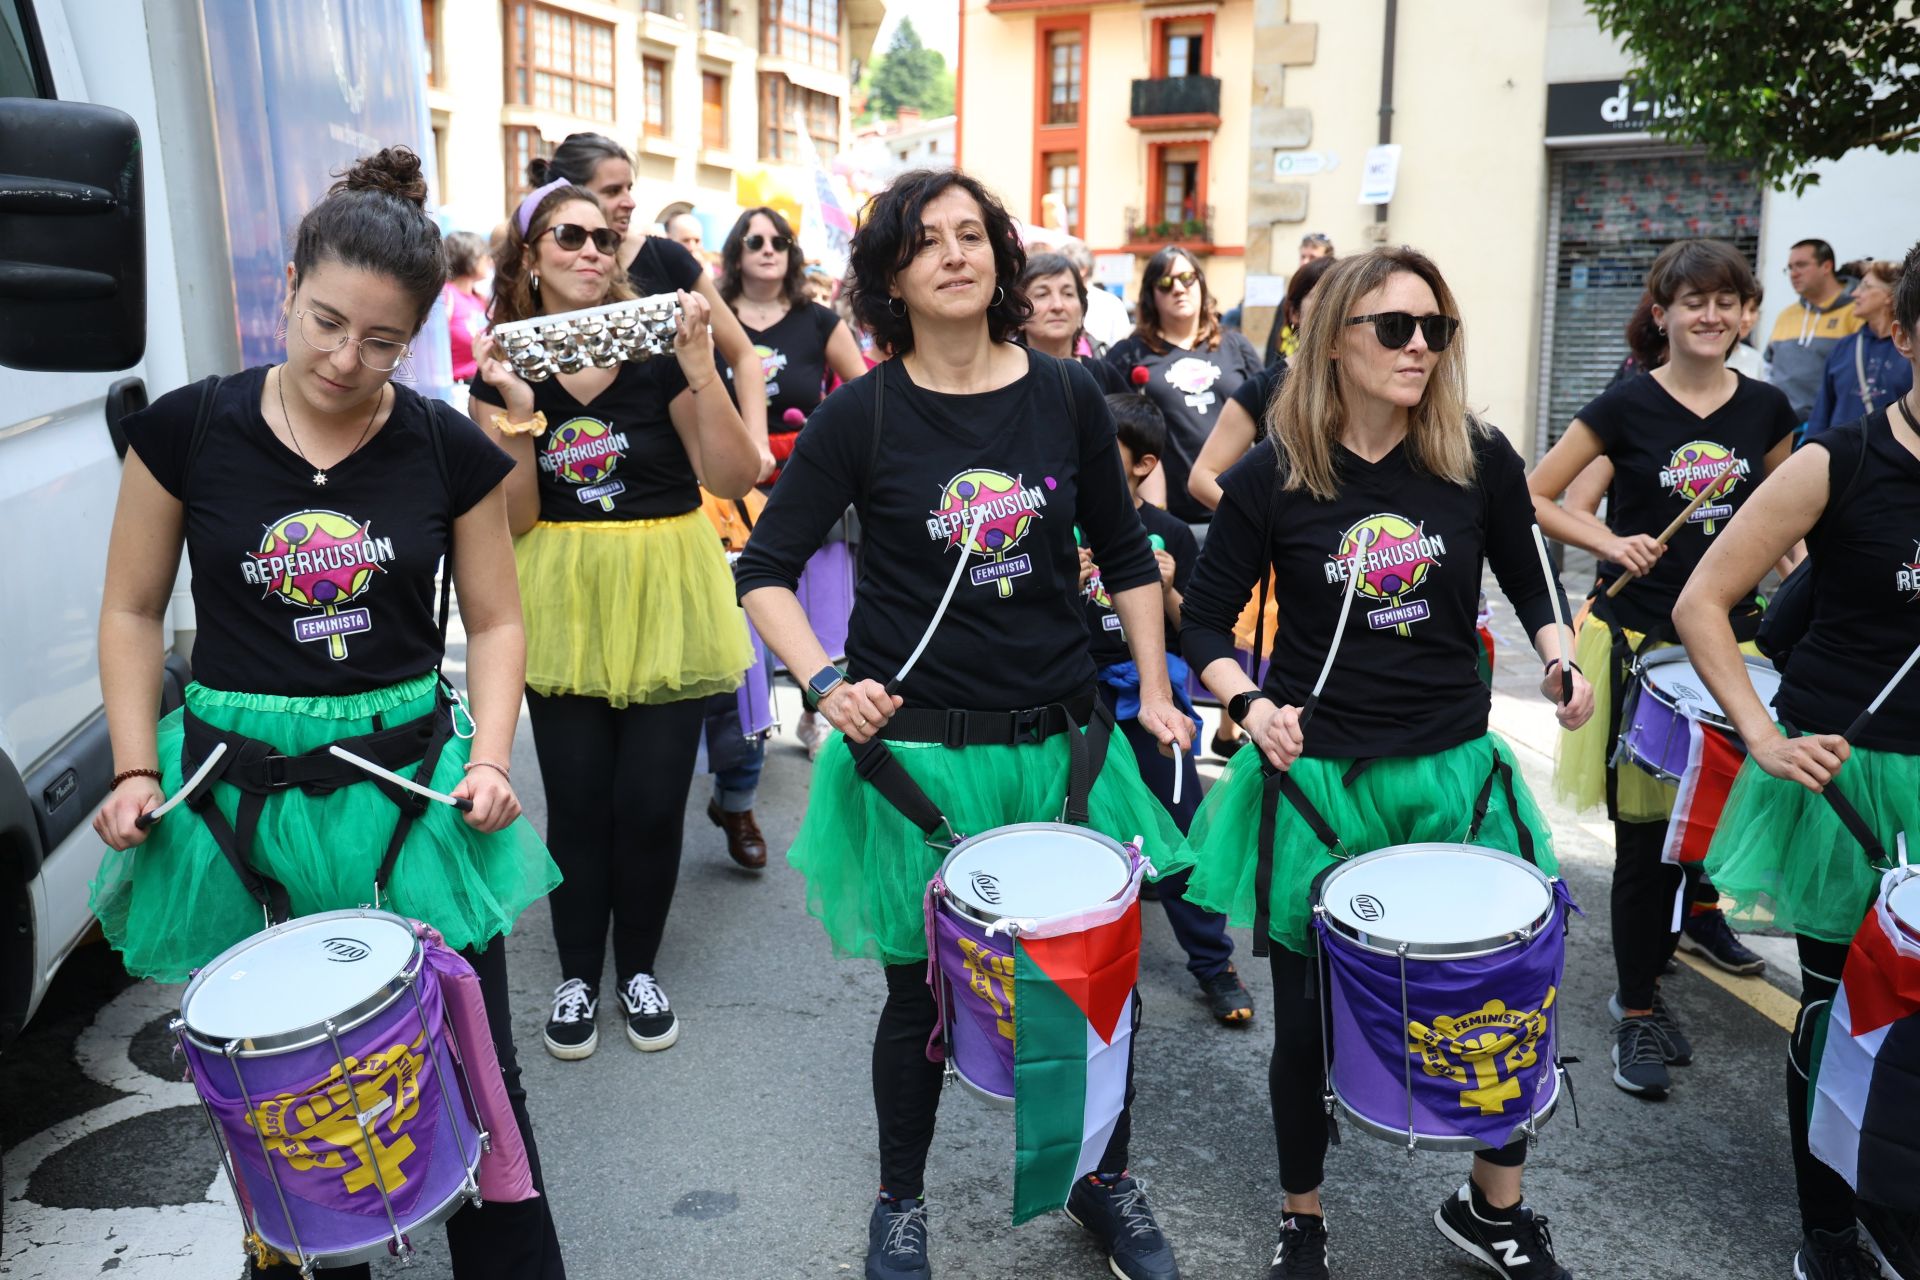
1275 784
1851 818
1502 772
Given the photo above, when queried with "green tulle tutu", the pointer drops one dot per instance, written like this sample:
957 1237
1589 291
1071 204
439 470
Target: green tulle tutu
867 867
1784 858
172 903
1395 800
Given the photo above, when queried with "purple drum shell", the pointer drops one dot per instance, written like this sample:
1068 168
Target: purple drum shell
1655 714
826 593
979 975
1655 736
755 698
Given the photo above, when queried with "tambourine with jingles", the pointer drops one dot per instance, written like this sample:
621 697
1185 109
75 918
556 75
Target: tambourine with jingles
603 337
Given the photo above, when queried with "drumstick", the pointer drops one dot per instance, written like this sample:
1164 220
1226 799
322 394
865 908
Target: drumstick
1860 722
953 583
360 762
1360 541
1176 772
152 816
1627 575
1561 631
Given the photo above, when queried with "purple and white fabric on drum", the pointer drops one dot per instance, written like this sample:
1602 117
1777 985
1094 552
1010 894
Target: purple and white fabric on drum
825 590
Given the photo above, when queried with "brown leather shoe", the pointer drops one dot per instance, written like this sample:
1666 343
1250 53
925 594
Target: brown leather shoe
745 845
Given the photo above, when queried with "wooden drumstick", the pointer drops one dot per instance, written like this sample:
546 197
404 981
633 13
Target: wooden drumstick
1627 575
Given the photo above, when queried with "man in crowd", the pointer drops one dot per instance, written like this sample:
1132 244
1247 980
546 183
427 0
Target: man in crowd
1807 331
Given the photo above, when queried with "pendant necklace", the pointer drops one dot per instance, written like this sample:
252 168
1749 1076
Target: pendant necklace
319 473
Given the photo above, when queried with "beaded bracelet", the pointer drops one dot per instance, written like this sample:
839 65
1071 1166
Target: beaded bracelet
124 774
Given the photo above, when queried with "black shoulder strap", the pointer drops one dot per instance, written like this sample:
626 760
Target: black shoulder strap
446 484
209 389
879 413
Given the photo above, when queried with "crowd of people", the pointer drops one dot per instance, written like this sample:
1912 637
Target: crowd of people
1207 519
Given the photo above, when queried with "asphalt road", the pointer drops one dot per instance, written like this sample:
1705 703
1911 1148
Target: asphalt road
747 1150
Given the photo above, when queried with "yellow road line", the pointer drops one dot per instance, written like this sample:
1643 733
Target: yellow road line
1755 992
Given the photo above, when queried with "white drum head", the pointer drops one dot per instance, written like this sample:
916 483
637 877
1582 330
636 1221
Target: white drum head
1437 898
298 975
1672 673
1034 870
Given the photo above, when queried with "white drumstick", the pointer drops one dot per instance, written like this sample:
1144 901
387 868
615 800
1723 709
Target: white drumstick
1177 771
1360 541
152 816
953 584
1860 723
360 762
1561 632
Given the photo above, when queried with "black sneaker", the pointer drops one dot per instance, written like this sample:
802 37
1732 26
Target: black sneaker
1709 935
570 1033
1834 1255
1639 1061
1891 1237
1675 1048
1117 1214
651 1025
1227 997
1514 1243
897 1241
1302 1251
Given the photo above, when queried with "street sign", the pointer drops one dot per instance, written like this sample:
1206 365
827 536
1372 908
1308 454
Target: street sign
1382 171
1300 164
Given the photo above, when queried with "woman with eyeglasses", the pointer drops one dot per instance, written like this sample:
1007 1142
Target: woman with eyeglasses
630 617
1370 439
1691 426
1192 365
316 499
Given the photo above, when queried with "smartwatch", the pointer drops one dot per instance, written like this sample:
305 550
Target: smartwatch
824 682
1241 703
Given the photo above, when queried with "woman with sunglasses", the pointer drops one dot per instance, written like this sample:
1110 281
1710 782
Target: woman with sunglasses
630 618
316 499
1192 365
962 447
1370 439
1690 426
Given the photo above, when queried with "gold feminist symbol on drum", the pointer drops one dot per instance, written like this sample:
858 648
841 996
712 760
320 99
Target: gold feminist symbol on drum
316 1129
1482 1042
990 977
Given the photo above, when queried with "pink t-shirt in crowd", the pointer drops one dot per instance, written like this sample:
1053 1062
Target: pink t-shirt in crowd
466 320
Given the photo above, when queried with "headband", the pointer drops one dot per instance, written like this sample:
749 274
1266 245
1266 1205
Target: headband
523 217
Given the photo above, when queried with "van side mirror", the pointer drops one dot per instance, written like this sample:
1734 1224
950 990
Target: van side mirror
73 243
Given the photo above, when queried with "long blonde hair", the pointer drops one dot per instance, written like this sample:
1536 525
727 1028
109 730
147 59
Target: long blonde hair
1308 416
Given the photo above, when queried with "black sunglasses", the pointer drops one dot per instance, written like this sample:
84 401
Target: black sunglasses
1166 282
1395 329
571 236
755 242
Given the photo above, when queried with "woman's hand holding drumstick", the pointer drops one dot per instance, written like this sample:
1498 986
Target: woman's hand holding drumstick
1679 522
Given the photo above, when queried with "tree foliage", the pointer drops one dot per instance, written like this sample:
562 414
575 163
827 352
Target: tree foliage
911 75
1781 83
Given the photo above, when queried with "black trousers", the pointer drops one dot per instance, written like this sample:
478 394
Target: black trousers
616 783
1644 892
906 1087
496 1240
1296 1077
1826 1201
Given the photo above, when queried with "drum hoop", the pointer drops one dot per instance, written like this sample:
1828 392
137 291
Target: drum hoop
982 918
1379 944
294 1039
1675 653
1453 1142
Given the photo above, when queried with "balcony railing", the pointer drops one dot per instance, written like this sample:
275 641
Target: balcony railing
1179 100
1149 231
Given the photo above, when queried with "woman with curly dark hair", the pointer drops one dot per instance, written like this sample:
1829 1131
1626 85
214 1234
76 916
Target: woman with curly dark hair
960 422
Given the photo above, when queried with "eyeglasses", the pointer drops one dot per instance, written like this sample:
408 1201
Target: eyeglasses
1395 329
757 242
1184 279
572 236
379 354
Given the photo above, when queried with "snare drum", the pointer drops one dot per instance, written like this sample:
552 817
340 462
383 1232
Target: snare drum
1663 695
1443 963
334 1085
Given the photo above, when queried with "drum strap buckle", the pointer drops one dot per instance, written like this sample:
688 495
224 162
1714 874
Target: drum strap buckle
943 837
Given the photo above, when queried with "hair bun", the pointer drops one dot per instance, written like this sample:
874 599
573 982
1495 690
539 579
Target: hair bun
539 172
392 170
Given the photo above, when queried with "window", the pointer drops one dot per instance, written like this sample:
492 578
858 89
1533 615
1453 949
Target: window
804 30
662 7
1182 47
782 105
1179 181
1063 180
440 162
523 144
713 15
654 72
22 68
713 111
1183 53
1063 77
559 61
430 30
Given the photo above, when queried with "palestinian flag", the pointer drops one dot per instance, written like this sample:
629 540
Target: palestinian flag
1713 758
1866 1086
1073 981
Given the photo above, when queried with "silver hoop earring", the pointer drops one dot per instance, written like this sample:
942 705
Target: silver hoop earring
999 296
536 282
898 312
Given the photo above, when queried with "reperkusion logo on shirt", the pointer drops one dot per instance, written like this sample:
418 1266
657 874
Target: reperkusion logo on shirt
1703 466
1396 557
320 560
991 513
1194 377
1907 576
584 451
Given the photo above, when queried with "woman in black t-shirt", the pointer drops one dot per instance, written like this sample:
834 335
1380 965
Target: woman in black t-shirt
1781 847
315 500
962 444
1059 297
1371 446
1690 427
630 622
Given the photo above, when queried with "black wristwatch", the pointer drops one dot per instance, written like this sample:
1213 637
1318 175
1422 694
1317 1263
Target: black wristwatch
824 682
1241 703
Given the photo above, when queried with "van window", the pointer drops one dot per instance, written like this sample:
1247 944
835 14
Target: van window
22 68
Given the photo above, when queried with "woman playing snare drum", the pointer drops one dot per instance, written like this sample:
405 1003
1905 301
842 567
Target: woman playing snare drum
1781 846
1369 445
962 419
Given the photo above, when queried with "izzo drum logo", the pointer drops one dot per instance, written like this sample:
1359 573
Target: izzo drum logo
584 451
320 560
345 950
320 1128
990 978
1396 558
989 512
1482 1051
986 886
1701 466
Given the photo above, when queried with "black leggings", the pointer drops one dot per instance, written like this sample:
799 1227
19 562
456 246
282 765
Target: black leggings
616 784
513 1241
906 1087
1826 1201
1644 892
1296 1077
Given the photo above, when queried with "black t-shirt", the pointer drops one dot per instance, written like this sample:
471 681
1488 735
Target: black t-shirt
661 266
1257 392
1109 643
1866 593
793 360
1189 387
1025 464
617 458
1663 455
1406 680
303 590
1110 380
